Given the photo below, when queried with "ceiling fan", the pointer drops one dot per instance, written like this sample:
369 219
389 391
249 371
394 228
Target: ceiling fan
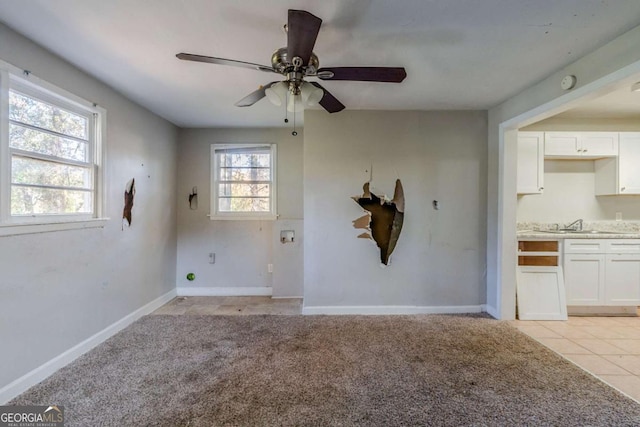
296 62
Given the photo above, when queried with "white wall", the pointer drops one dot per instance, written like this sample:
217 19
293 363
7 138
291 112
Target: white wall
59 288
439 260
596 71
243 248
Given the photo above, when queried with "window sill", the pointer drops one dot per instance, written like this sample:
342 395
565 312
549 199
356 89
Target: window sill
17 229
243 217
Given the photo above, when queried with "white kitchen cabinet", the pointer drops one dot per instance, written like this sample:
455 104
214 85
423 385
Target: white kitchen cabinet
540 291
580 145
623 279
620 175
530 162
584 278
602 272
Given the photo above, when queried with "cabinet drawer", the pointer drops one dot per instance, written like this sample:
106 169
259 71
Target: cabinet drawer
584 246
628 246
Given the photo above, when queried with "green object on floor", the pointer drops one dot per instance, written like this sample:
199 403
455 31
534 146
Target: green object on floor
191 276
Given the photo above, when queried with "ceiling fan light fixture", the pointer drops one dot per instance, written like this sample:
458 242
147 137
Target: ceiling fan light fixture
277 93
635 87
311 95
295 104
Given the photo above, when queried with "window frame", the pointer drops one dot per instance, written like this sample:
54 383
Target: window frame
23 82
215 213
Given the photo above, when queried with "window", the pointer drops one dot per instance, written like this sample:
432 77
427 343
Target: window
243 181
50 153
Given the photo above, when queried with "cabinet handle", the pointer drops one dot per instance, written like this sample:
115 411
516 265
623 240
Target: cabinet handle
584 150
623 188
541 188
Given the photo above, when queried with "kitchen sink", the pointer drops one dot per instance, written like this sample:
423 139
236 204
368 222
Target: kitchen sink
571 231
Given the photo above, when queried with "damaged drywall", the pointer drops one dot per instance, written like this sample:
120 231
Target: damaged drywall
129 192
383 219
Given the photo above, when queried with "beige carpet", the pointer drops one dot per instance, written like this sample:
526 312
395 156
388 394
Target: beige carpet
328 371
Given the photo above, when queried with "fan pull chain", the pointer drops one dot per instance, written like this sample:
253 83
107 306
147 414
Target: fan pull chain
294 133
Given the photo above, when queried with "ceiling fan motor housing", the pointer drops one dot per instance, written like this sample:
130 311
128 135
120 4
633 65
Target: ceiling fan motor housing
281 62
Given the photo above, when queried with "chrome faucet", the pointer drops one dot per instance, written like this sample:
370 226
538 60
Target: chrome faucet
576 225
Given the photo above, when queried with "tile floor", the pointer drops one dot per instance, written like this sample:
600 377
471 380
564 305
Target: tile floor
607 347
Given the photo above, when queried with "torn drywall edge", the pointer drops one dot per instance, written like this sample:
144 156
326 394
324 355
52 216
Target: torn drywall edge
383 219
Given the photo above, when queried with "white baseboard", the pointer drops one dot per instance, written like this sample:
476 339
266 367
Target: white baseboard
492 311
287 297
213 291
32 378
391 309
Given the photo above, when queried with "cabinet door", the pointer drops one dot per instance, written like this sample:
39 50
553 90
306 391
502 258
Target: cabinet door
584 279
598 144
623 279
530 162
561 144
628 163
540 293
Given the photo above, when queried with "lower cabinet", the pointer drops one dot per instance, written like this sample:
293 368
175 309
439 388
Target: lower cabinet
602 272
622 279
584 277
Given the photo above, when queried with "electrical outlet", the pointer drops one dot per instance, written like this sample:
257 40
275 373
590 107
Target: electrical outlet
270 268
212 258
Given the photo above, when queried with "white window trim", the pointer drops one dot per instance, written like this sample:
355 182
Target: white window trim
10 226
215 214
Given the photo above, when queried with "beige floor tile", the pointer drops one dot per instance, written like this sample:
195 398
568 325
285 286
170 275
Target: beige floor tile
628 384
597 346
629 345
568 331
597 365
580 321
603 332
629 321
605 321
629 362
537 331
563 346
627 331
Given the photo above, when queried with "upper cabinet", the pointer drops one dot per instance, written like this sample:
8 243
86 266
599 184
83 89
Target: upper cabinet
530 162
580 145
620 175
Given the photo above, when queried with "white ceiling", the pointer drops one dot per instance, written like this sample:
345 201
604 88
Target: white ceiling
459 54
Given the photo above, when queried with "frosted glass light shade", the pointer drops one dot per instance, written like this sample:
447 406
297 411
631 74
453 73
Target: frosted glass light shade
311 95
277 93
294 104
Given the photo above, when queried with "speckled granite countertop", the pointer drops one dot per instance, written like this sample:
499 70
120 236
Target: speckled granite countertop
592 230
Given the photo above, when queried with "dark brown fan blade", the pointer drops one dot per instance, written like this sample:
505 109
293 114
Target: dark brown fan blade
222 61
328 101
253 97
364 74
302 31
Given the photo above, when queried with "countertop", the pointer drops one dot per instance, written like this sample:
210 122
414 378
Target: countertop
607 230
535 234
